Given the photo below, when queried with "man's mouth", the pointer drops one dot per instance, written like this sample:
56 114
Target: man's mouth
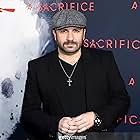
70 45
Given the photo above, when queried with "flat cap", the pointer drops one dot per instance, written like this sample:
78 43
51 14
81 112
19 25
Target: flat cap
67 18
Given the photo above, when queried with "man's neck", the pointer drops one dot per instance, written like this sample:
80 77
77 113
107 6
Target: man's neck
72 58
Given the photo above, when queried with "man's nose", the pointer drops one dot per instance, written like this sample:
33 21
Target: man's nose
70 36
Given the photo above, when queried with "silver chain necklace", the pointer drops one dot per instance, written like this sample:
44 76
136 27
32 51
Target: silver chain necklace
69 81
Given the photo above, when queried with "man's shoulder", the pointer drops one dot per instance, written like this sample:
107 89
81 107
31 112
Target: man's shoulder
98 52
99 56
43 59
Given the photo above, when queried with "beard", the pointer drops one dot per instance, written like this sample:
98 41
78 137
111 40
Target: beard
69 47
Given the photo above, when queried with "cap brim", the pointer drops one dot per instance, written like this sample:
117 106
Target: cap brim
65 26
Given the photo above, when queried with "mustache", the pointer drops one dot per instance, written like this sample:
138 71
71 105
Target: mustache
70 43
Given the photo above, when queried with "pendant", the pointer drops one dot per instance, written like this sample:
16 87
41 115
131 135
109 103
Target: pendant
69 81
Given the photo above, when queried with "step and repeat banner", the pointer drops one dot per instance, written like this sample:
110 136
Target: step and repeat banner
25 34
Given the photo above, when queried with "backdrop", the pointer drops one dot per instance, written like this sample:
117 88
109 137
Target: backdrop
25 35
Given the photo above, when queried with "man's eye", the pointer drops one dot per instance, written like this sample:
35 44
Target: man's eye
76 30
63 31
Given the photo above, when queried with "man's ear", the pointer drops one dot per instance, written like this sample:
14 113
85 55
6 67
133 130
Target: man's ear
54 34
84 33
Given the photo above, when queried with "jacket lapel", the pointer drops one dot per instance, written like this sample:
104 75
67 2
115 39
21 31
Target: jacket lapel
59 94
54 65
91 70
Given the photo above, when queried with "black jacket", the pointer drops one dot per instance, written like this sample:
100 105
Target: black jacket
43 104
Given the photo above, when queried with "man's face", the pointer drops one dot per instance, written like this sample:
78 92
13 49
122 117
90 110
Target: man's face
69 39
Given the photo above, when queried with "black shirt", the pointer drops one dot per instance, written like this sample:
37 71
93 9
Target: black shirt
75 98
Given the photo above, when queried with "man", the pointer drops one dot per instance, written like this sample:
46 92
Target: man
72 89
